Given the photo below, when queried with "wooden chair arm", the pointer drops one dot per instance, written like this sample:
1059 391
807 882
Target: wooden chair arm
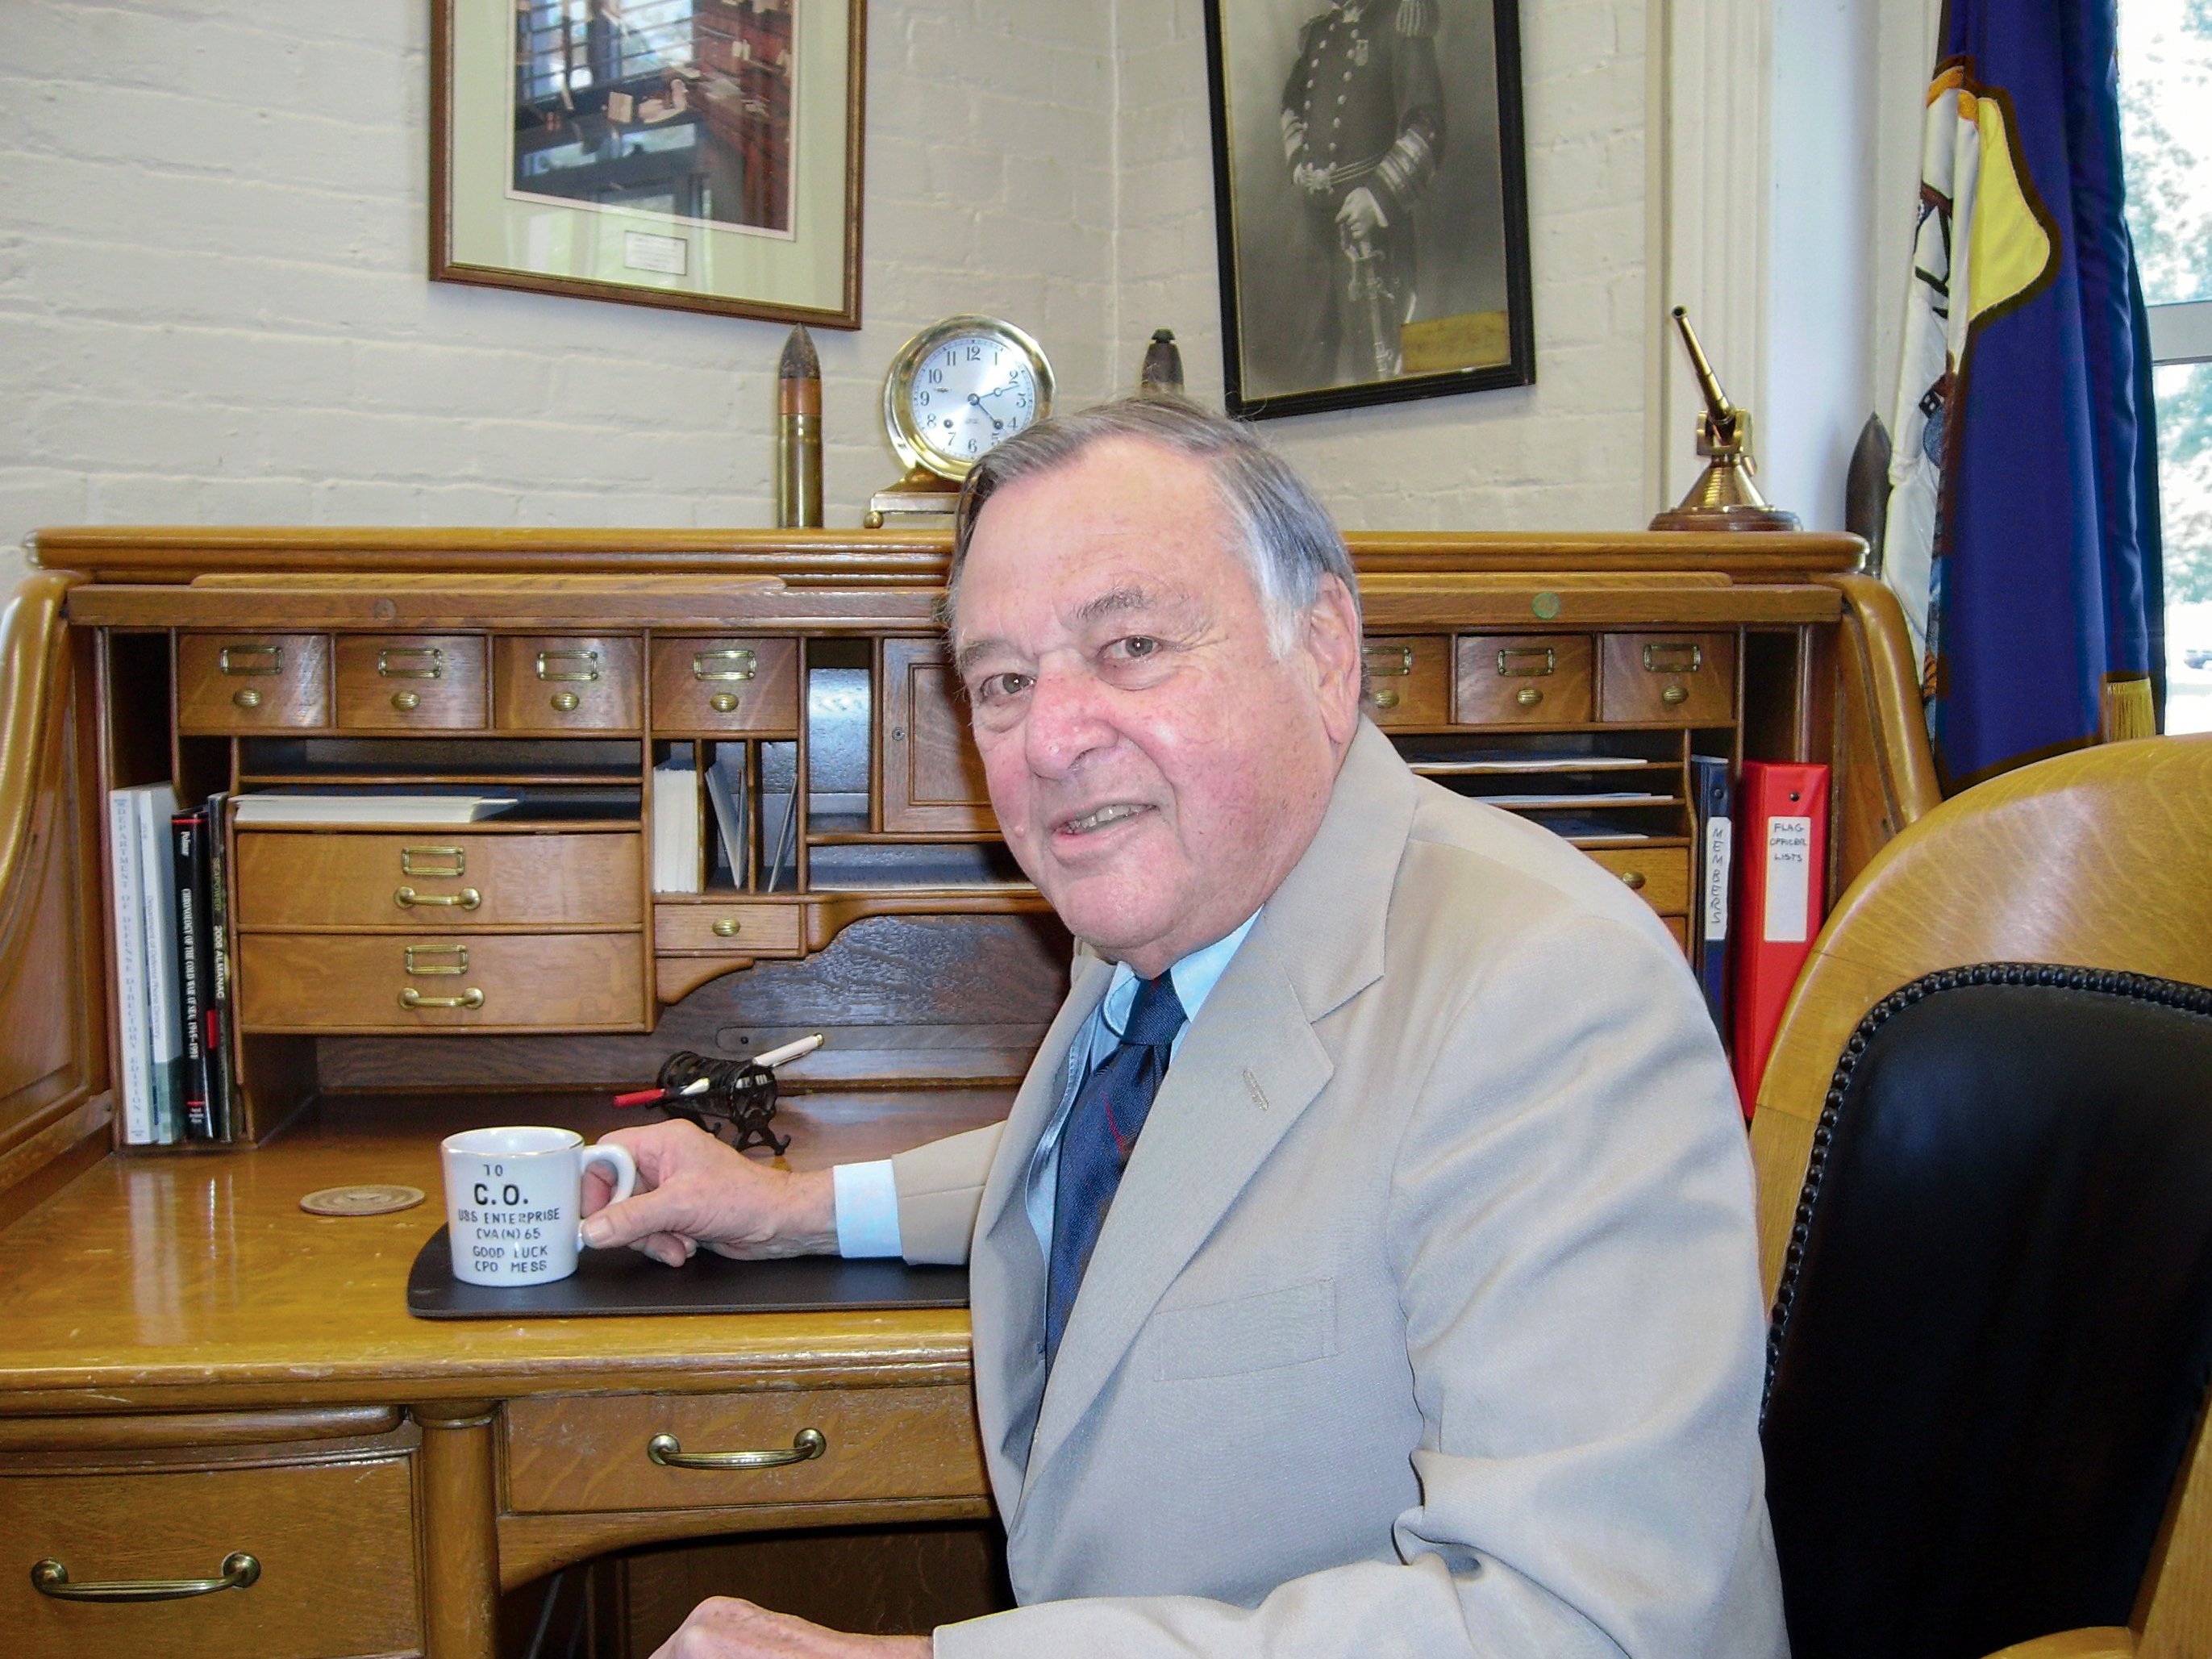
2101 1642
32 627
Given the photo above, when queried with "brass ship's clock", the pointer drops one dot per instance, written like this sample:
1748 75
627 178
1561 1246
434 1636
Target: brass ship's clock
954 393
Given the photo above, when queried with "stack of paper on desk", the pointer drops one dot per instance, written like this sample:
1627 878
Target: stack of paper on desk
268 808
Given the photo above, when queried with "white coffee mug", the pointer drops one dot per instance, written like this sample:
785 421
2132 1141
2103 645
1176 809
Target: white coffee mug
514 1202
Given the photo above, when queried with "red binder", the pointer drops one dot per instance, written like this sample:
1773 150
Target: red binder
1782 858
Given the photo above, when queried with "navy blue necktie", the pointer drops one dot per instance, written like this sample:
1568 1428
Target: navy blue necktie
1102 1128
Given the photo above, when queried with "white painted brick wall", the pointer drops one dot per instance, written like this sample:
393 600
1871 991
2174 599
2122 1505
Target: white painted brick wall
213 232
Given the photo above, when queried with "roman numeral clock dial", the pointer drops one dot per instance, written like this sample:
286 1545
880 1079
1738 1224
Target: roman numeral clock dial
955 392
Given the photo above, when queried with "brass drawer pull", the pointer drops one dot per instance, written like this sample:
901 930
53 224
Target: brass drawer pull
564 703
583 665
265 660
664 1450
726 928
1634 879
1520 662
723 703
433 861
419 962
1393 660
428 662
412 997
247 697
406 702
1383 697
1674 658
407 899
50 1577
1528 696
1673 694
743 664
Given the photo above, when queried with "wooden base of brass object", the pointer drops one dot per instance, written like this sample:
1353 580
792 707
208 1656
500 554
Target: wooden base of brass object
920 491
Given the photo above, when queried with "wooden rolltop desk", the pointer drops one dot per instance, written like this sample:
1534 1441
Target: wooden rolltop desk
197 1369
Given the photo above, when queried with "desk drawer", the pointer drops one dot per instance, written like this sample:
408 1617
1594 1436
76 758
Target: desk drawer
549 683
340 880
411 682
579 1453
1409 679
1523 680
247 682
1688 679
1660 876
335 1542
412 983
733 685
737 928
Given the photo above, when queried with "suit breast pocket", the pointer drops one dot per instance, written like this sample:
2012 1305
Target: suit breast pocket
1275 1328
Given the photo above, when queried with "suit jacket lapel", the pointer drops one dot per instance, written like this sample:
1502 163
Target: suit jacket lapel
1249 1065
1007 1268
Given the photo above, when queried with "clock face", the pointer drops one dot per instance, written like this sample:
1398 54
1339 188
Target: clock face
958 390
969 394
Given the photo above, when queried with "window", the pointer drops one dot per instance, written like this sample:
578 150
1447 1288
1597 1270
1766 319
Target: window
2165 120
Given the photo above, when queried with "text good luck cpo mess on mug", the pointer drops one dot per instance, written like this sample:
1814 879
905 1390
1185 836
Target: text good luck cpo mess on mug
514 1202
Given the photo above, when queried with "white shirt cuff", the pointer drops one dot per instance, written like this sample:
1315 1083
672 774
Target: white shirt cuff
867 1209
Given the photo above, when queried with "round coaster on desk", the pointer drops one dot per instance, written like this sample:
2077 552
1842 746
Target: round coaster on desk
362 1201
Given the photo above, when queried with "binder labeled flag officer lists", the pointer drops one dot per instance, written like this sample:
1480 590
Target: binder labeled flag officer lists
1782 857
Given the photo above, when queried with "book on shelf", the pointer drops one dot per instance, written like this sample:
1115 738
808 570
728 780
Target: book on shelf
194 837
155 805
679 845
1713 806
188 858
222 1081
135 1081
276 807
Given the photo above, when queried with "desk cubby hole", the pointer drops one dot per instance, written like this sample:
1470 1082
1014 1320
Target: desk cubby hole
375 762
760 775
1595 787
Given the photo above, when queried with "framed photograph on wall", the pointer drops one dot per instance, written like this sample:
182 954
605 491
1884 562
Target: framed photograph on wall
1370 199
699 154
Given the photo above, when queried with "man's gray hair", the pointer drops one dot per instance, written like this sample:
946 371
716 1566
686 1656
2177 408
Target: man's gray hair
1287 539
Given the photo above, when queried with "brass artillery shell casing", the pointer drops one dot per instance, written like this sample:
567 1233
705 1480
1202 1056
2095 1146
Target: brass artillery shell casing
798 435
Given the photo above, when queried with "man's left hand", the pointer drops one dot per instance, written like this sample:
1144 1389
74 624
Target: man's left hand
725 1628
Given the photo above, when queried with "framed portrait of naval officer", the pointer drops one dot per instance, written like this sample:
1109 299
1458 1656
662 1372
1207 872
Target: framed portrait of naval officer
1370 200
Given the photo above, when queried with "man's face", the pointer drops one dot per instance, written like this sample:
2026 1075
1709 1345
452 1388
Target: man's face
1156 768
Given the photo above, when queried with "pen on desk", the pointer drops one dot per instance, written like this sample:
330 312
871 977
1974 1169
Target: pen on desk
799 433
655 1097
769 1062
775 1057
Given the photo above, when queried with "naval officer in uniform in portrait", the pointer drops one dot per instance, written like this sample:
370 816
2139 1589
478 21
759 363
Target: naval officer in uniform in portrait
1363 124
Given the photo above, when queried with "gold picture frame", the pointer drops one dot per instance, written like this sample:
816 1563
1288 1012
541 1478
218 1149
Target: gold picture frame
699 155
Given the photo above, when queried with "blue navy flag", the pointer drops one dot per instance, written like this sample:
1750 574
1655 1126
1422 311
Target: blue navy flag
2022 538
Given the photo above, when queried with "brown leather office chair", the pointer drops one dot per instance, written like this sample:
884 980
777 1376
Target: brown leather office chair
1984 1152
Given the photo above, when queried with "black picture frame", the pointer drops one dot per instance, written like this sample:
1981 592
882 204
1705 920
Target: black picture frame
1450 267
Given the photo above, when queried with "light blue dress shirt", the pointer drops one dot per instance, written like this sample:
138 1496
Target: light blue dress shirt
867 1198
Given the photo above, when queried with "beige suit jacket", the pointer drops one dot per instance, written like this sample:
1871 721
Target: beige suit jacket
1425 1320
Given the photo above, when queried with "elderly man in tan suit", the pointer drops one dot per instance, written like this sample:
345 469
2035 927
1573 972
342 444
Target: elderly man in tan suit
1366 1266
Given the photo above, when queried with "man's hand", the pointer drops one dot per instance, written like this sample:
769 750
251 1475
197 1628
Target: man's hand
1361 214
694 1191
724 1628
